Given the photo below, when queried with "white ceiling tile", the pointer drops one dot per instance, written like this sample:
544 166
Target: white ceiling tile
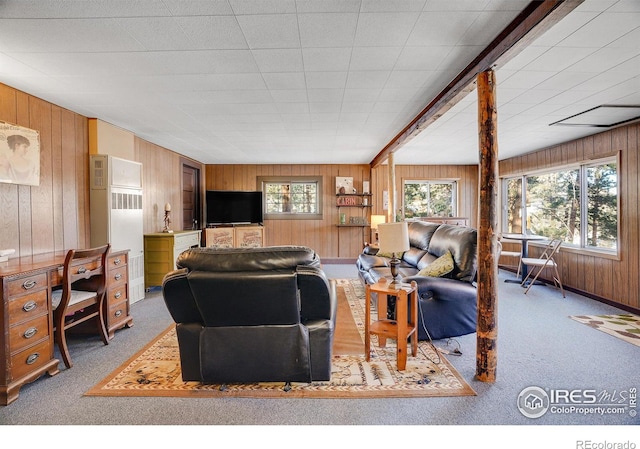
61 9
440 28
358 79
197 7
602 30
559 58
270 31
156 33
242 7
213 32
374 58
327 29
284 81
279 60
326 80
422 58
325 95
308 6
326 59
384 29
289 95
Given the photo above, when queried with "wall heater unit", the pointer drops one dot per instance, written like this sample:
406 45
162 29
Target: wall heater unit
116 213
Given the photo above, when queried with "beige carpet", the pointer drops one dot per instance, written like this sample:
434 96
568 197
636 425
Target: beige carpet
155 370
624 326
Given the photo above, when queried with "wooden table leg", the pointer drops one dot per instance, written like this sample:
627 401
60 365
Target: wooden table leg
382 315
367 318
414 320
401 320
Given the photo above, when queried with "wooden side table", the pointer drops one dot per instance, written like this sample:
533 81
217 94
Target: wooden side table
400 329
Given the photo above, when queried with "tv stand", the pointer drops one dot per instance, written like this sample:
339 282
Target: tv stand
234 235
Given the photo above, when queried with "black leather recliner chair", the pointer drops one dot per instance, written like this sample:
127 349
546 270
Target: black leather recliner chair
248 315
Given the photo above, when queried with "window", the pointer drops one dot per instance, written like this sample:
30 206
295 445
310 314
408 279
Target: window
576 204
430 199
294 197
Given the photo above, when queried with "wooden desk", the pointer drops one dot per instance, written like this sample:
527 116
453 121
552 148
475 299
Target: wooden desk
26 317
400 329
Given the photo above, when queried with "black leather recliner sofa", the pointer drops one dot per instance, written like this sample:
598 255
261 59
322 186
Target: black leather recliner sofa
247 315
447 306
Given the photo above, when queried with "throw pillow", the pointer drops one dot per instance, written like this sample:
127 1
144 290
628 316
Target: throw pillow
442 266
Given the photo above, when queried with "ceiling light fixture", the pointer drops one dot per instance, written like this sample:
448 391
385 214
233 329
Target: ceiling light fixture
603 116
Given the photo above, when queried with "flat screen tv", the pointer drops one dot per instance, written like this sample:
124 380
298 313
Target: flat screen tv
233 207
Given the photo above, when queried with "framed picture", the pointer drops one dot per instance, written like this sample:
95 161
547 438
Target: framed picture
19 155
249 236
344 185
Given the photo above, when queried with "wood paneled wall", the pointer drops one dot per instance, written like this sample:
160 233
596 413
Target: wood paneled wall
614 279
54 215
465 175
329 241
162 183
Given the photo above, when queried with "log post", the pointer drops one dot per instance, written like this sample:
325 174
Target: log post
391 212
487 327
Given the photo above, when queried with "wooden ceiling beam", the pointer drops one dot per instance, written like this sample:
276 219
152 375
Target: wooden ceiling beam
538 17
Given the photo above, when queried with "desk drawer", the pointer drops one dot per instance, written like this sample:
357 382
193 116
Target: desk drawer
27 307
27 333
117 276
117 294
117 261
30 359
117 313
27 284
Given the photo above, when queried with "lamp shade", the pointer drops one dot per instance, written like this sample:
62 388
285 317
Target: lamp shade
167 207
393 237
376 220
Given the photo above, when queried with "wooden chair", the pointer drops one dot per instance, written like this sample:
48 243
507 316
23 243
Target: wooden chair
538 265
82 295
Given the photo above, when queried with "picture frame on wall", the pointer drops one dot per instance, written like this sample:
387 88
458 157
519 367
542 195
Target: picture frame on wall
344 185
19 155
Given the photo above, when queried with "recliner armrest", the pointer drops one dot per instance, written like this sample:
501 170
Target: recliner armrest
179 298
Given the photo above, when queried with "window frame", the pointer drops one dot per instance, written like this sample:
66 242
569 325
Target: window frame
264 180
454 200
582 167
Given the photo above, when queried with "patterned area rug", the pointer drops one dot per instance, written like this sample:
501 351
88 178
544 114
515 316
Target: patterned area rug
625 326
155 370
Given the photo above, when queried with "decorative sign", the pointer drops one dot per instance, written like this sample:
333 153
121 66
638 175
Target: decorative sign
221 238
347 201
19 155
249 237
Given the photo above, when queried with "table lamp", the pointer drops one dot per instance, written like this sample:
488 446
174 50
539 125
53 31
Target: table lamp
375 221
394 239
167 218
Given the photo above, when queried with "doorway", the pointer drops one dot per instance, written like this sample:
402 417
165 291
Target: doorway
191 197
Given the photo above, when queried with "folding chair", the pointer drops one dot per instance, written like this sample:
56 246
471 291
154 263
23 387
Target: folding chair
546 260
